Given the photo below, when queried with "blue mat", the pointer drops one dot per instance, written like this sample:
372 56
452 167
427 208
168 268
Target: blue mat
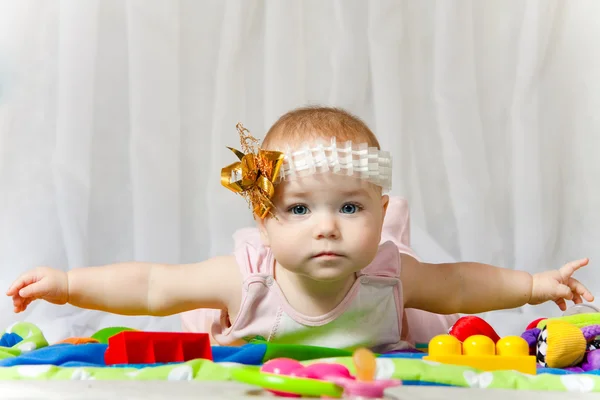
92 355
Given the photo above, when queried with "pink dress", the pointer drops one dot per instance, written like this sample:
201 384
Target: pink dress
372 313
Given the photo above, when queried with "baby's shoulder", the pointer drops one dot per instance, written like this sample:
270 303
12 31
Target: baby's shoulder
387 261
252 256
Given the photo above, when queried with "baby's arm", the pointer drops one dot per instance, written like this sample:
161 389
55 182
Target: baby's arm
134 288
469 287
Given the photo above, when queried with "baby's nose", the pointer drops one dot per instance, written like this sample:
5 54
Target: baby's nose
327 227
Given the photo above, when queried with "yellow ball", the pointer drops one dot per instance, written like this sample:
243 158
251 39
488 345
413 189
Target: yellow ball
444 345
512 346
479 345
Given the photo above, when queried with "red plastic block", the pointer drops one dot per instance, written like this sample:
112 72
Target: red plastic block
138 347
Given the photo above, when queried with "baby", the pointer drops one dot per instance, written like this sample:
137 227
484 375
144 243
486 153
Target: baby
320 274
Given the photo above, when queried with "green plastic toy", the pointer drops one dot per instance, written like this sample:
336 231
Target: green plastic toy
104 334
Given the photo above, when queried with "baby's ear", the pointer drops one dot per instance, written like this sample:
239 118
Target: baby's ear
264 235
385 201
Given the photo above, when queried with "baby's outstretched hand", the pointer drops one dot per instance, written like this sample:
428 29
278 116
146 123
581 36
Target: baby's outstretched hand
559 286
41 283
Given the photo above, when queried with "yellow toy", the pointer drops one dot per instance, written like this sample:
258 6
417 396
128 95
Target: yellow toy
565 342
480 352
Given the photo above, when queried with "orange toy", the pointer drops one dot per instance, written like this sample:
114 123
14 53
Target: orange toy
78 340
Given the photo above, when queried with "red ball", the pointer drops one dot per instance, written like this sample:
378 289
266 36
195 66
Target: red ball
534 324
472 325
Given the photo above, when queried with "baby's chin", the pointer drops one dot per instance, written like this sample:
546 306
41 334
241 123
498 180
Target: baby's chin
325 273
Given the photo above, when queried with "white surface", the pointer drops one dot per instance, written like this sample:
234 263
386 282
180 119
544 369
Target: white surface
115 116
103 390
151 390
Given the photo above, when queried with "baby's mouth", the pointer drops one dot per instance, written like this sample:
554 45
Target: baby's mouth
327 254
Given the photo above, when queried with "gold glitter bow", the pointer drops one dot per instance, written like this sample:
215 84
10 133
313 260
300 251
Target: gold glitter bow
254 174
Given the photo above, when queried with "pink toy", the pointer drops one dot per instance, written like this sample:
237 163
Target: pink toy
363 385
282 366
324 371
365 390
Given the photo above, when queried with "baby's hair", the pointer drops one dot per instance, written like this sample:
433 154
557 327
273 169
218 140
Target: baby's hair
315 122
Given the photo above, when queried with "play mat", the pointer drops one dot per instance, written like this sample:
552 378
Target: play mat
26 354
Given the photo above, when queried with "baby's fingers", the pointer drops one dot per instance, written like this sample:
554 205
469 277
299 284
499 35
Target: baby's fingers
580 290
20 304
562 304
21 282
567 270
33 290
563 292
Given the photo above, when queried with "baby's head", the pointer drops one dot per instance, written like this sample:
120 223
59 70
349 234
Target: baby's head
327 224
313 124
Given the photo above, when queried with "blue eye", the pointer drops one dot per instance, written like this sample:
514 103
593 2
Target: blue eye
299 210
349 208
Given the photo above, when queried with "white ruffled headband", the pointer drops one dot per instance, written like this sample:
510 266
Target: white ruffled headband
258 170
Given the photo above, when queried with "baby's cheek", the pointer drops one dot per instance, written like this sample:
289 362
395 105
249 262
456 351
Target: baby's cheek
286 236
369 241
369 251
286 245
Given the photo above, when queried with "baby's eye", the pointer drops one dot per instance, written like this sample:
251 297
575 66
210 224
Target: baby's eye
349 208
299 209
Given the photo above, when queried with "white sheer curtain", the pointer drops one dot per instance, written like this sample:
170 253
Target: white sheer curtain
114 117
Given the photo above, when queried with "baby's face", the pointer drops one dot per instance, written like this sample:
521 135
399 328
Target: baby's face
328 226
